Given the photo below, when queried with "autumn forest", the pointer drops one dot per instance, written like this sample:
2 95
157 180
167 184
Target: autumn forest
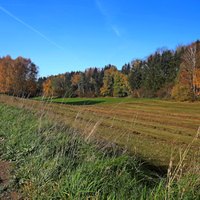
165 74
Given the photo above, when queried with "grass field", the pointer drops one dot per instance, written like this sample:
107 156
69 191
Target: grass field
151 128
53 160
85 101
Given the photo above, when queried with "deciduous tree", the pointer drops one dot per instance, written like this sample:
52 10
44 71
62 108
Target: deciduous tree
18 76
108 81
47 87
189 68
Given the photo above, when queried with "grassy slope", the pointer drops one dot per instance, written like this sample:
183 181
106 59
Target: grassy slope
55 161
151 128
52 162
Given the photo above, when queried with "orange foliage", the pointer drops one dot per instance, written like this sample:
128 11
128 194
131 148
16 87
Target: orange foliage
197 81
18 76
76 79
47 87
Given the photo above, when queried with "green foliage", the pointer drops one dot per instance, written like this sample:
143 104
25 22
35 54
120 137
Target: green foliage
58 85
135 76
152 74
142 93
159 69
126 69
121 85
108 81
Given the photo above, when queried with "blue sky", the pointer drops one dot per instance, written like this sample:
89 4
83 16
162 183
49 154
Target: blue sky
71 35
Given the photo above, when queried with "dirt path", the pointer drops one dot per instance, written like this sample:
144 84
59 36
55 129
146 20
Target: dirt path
5 193
4 179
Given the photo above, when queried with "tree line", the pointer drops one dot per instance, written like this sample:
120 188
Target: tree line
164 74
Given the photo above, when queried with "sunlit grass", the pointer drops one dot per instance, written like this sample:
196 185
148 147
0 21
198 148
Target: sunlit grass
153 127
54 160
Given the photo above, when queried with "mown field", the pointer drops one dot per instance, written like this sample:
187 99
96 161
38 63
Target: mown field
57 154
151 128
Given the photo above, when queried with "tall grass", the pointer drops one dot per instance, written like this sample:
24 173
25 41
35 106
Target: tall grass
55 161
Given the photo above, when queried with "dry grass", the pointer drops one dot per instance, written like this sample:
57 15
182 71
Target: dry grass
150 128
156 130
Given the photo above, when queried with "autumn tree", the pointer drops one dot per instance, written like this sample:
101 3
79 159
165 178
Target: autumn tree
58 85
197 82
40 85
121 85
5 73
108 81
78 80
189 68
18 76
90 83
47 87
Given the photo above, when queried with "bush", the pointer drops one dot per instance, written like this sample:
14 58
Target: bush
142 93
183 93
165 92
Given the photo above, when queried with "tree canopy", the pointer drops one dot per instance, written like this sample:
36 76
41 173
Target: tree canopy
18 77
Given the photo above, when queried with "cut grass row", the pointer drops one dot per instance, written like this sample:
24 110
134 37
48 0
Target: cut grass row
53 160
151 128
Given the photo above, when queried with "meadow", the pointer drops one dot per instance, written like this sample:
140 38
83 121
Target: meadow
152 128
112 149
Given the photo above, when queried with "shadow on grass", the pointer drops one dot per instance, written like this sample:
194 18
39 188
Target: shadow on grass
85 102
71 102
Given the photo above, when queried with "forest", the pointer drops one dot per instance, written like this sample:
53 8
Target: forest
165 74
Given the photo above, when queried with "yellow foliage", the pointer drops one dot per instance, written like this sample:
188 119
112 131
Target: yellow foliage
196 82
47 87
182 92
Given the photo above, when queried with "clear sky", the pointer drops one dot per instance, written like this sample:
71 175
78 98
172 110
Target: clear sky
70 35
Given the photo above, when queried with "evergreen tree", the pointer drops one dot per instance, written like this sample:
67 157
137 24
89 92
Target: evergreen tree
135 76
126 69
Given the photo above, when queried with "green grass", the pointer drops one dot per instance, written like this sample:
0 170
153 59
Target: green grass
151 128
55 161
86 101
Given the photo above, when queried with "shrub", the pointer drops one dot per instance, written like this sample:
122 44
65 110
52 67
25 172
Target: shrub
142 93
165 92
182 93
